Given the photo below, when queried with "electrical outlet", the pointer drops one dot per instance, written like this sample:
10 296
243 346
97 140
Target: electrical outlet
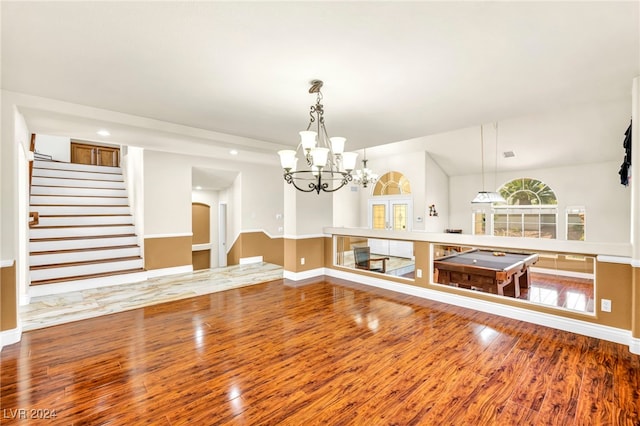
605 305
302 260
419 273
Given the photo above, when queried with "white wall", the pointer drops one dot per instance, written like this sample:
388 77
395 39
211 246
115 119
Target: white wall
262 198
346 206
167 194
436 193
413 166
132 164
594 186
58 147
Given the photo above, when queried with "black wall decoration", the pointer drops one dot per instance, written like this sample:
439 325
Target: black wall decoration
625 168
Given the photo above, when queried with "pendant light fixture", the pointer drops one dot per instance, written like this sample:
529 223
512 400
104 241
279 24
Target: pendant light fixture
365 176
487 197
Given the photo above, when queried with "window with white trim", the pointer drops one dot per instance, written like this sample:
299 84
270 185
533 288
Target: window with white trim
531 211
576 219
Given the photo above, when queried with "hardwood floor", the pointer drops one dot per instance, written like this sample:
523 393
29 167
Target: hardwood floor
329 352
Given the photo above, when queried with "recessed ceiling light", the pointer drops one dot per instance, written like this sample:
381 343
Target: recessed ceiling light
233 152
103 132
198 187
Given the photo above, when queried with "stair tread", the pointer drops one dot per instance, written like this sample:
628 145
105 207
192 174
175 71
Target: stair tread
42 253
79 196
85 262
84 277
94 225
85 237
80 205
116 170
85 215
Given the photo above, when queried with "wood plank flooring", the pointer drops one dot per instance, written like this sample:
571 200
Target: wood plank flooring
329 352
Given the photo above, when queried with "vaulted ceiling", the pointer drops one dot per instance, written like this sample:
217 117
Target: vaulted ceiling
393 71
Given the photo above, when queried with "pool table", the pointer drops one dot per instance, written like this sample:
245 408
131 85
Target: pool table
485 270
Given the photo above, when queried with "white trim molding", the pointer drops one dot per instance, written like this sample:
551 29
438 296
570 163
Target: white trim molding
585 328
297 276
9 337
6 263
180 234
201 247
305 237
248 260
615 259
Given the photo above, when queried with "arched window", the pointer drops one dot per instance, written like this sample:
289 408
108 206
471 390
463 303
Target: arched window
392 183
531 211
528 192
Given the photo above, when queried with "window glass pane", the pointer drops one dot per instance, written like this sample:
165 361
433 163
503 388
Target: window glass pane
479 224
400 217
532 219
378 216
548 231
575 225
515 230
548 218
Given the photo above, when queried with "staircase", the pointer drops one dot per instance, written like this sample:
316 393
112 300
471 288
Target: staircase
85 237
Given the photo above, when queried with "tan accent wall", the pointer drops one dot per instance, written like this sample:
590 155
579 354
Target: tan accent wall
8 298
635 304
201 259
311 249
251 244
167 252
200 223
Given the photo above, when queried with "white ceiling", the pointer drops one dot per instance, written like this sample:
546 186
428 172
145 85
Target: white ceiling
392 70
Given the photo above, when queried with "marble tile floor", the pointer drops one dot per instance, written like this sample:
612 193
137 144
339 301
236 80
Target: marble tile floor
46 311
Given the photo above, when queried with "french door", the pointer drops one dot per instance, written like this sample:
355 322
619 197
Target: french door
391 213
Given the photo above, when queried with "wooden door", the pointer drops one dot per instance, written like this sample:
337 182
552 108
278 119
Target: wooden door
96 155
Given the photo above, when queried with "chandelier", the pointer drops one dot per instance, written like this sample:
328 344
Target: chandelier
365 176
326 166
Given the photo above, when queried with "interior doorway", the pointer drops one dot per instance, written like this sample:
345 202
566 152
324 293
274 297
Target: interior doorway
201 229
222 235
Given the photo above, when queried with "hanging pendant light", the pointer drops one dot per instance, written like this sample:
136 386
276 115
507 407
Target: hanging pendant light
487 197
365 176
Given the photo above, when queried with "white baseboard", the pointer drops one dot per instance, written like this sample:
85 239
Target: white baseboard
9 337
585 328
169 271
297 276
249 260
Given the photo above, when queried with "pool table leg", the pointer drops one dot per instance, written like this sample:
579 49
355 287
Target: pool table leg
516 286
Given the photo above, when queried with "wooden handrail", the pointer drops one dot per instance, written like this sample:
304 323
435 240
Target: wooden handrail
32 148
34 219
